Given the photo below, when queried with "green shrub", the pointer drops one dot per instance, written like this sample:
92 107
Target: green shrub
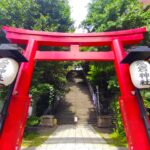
33 121
146 97
119 128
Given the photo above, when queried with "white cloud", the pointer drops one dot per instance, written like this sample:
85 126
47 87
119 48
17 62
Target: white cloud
78 12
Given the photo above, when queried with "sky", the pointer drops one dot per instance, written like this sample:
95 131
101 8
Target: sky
78 12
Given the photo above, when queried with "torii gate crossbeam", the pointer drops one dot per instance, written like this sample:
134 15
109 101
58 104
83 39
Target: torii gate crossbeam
11 136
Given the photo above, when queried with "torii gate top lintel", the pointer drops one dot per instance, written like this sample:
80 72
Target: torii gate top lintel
112 33
18 35
74 41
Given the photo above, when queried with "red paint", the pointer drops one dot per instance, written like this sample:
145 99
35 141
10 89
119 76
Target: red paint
11 136
71 56
133 123
21 36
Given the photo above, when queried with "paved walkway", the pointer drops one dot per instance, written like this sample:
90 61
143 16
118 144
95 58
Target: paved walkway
72 137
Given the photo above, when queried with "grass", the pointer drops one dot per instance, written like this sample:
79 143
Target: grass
117 140
36 138
112 138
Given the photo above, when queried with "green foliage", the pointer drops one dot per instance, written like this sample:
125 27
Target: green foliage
21 13
55 16
117 15
33 121
99 71
146 97
42 89
46 15
118 140
44 96
112 138
48 84
101 74
112 15
113 84
119 129
33 138
52 73
95 48
3 91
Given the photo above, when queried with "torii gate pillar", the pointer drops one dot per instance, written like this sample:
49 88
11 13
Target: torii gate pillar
11 136
131 115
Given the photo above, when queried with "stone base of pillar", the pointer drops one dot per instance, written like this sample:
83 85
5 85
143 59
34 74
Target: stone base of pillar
104 121
48 120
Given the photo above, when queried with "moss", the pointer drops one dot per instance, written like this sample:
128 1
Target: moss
36 138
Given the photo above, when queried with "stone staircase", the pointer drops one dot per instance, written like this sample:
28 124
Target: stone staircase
77 103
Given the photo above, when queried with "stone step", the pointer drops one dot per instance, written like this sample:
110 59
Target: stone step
77 103
79 117
72 122
68 121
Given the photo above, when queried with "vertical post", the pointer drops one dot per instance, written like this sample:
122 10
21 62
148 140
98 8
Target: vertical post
97 100
133 123
11 136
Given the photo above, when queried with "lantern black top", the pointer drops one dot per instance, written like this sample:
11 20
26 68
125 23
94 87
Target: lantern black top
137 53
11 51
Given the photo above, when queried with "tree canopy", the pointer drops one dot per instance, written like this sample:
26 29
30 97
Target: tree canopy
45 15
111 15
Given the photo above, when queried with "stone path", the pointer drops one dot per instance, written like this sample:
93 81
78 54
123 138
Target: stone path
75 137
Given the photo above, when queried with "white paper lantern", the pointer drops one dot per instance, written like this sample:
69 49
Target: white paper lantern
140 74
8 70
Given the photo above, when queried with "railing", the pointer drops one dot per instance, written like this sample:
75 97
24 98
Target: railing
94 93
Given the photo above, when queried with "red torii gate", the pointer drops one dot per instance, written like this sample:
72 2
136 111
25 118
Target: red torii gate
11 136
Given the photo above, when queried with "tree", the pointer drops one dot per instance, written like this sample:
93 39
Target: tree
21 13
45 15
54 16
100 74
112 15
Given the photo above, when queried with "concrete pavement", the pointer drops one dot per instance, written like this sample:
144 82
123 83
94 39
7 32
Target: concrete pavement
75 137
